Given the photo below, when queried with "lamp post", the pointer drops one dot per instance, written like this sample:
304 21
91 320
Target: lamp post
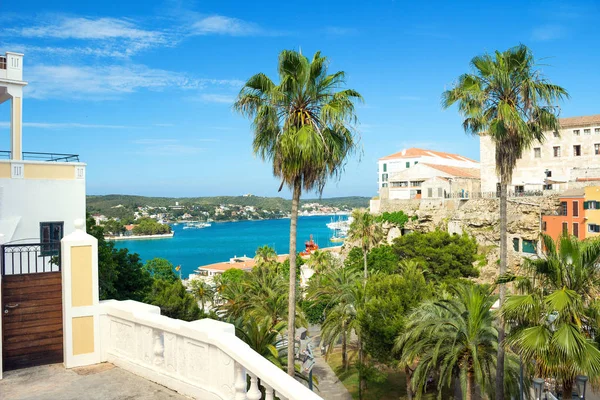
538 387
581 385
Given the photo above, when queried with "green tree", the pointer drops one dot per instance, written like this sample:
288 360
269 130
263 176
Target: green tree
159 268
380 259
149 226
265 254
302 125
442 255
232 275
321 261
120 274
261 336
114 227
397 218
174 301
367 232
452 338
555 317
507 98
202 292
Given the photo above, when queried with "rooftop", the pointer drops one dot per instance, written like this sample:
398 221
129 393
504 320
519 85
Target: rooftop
414 152
573 193
456 171
574 122
243 263
98 382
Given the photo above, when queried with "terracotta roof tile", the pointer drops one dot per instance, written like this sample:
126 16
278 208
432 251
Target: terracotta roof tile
586 120
414 152
456 171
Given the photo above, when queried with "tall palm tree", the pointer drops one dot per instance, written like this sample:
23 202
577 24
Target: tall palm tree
507 98
320 261
202 292
304 125
452 338
555 315
365 230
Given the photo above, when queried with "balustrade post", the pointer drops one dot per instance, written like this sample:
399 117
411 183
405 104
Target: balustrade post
240 382
254 392
268 392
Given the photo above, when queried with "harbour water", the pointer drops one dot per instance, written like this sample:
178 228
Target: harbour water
191 248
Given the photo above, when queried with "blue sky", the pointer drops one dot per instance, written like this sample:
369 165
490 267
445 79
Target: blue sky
142 91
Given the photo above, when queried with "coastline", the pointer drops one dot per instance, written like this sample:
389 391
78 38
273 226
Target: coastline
140 237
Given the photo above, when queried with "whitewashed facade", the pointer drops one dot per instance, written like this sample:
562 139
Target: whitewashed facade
567 159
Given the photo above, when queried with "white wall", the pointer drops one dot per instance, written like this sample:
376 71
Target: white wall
24 203
530 170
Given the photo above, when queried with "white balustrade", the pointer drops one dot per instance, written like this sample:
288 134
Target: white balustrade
202 359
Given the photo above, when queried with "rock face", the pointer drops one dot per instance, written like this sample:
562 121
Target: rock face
480 218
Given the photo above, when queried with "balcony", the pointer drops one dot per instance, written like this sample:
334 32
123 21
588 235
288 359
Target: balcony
44 157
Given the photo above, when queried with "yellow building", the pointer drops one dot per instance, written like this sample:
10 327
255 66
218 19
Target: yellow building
591 208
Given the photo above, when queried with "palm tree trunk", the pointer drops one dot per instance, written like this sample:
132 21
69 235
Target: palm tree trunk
344 347
365 250
470 386
361 380
503 268
409 391
292 293
567 389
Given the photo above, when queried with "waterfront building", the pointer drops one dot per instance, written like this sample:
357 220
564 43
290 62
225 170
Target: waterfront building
577 215
569 158
417 173
207 272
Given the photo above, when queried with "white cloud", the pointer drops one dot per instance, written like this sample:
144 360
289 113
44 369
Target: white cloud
221 25
548 32
108 82
64 125
214 98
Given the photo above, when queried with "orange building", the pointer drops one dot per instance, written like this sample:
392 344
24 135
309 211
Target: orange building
578 214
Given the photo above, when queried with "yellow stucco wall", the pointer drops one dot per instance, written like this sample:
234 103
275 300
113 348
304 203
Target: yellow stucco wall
83 335
49 171
17 131
592 193
81 276
4 170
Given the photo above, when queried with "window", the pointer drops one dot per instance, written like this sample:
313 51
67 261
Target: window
556 134
547 187
597 149
596 130
565 229
576 230
400 184
408 164
591 205
50 235
429 192
384 177
594 228
529 246
577 150
544 227
516 244
556 151
416 183
384 167
416 162
563 208
384 185
587 131
519 189
537 152
440 192
576 209
576 132
548 173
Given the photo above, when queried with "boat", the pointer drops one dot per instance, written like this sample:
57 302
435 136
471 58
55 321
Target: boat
339 223
309 247
196 225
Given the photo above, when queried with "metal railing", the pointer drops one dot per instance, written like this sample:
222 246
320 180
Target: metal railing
2 62
47 157
30 258
492 195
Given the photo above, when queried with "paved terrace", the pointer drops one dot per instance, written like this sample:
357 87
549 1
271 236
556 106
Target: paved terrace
97 382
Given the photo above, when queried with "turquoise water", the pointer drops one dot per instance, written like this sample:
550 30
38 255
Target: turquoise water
192 248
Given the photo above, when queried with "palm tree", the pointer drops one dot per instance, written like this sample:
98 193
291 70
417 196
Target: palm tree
555 316
304 126
452 338
320 261
265 254
261 336
202 291
508 99
365 230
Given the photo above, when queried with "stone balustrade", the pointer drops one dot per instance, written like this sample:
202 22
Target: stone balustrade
202 359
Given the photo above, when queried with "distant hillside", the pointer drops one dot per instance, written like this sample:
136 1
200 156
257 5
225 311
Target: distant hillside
106 204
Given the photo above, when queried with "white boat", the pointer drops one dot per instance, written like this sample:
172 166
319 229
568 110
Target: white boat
196 225
340 224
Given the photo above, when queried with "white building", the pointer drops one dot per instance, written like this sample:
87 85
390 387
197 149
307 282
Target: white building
41 194
407 173
567 159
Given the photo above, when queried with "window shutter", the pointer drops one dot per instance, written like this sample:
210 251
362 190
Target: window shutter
585 205
597 205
